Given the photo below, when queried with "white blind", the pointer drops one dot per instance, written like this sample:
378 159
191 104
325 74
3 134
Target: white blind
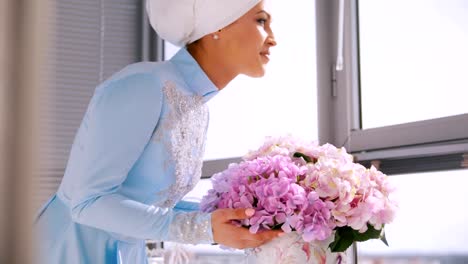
90 40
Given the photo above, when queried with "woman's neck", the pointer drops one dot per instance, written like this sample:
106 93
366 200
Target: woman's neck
213 65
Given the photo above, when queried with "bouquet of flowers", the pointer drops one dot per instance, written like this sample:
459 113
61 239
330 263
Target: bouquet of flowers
315 190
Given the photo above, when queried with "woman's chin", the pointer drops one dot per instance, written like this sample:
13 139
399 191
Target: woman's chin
257 73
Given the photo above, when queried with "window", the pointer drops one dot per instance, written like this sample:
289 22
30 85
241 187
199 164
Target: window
412 60
396 104
429 226
399 98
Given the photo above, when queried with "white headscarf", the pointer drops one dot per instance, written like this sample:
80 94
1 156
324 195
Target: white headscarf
182 22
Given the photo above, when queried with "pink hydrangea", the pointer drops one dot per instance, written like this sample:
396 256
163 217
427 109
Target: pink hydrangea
295 185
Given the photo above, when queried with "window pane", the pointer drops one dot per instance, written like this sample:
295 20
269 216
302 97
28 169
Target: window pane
282 102
413 59
430 225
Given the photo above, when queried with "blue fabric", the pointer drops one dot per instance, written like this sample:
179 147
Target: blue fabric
111 196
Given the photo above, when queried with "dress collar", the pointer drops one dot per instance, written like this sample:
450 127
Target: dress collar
194 76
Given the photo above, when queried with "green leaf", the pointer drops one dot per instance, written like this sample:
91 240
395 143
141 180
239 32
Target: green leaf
371 233
345 236
302 155
343 239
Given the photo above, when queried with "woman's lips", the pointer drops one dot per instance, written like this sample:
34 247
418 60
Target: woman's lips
265 55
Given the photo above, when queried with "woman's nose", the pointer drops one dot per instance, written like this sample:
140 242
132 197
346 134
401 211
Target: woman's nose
271 38
271 41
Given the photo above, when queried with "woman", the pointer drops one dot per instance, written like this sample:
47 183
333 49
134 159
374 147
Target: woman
139 148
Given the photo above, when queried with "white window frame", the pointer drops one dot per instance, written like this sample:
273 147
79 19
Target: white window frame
429 145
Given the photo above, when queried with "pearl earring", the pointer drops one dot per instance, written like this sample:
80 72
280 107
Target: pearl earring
215 36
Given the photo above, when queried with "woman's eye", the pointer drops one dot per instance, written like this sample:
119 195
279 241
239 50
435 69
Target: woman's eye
261 21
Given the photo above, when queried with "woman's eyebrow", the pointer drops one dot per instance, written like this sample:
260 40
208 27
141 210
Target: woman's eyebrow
263 11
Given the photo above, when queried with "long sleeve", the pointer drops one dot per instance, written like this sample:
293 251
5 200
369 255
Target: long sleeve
118 125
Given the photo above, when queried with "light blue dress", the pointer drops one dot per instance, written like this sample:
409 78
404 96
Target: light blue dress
137 152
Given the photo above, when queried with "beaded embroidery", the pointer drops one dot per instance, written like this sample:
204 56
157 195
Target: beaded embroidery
191 228
186 123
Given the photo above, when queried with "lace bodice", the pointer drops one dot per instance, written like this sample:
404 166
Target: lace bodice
183 133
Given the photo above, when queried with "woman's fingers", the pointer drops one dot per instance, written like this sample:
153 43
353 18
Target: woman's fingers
256 240
234 214
224 232
269 235
249 240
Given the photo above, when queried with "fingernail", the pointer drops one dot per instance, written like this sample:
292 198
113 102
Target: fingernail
249 212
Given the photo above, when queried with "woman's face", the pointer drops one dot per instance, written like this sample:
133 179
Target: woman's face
247 41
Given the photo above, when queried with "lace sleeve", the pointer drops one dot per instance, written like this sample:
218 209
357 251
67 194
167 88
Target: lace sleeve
191 228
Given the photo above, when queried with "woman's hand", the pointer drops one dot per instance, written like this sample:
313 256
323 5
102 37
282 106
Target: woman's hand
225 233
